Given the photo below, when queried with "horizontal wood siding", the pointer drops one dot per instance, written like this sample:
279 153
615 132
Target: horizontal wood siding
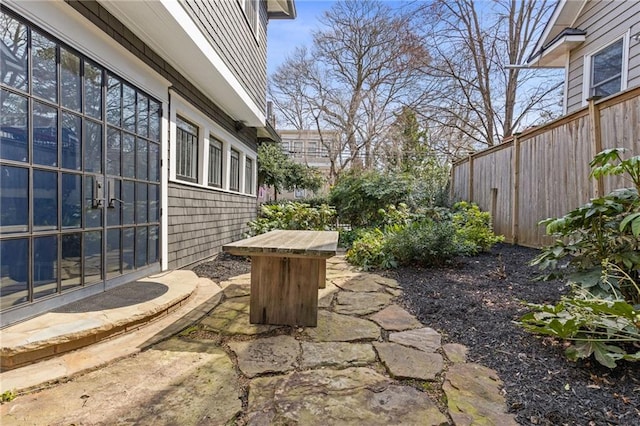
553 173
245 53
202 221
604 22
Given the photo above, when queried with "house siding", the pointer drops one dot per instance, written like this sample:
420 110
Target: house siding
202 221
244 52
102 19
604 22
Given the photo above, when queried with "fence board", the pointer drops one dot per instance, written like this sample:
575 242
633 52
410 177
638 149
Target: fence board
553 168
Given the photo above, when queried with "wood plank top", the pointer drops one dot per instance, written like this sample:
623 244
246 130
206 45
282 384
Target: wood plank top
292 243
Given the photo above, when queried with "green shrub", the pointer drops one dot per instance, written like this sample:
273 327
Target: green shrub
599 244
474 226
368 251
293 215
425 243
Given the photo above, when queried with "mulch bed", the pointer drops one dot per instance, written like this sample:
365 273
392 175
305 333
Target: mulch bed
475 302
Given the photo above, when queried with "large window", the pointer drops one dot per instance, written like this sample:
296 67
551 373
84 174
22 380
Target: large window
79 168
248 176
607 70
186 150
215 162
234 171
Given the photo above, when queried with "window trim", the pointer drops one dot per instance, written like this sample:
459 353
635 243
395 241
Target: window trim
587 70
195 156
253 27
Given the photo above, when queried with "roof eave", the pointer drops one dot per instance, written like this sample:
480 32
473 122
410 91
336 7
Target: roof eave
555 55
281 9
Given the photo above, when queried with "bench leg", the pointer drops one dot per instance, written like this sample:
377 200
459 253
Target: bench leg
284 291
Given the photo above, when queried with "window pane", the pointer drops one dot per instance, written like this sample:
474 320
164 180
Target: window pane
71 149
141 159
14 204
154 121
113 151
154 163
45 200
14 53
92 146
71 200
141 203
44 76
14 257
154 203
114 98
215 162
70 267
45 135
186 150
114 209
92 215
234 183
92 90
607 63
141 246
70 79
248 177
128 108
608 88
128 235
143 115
153 244
14 116
128 189
45 266
113 253
92 257
128 155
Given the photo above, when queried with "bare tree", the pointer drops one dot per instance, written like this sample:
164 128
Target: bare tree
477 94
366 63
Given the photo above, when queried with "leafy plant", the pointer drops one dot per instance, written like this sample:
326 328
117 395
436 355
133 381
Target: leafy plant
605 228
369 252
474 227
293 215
7 396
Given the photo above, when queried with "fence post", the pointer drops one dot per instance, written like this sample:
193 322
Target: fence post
596 141
515 187
471 178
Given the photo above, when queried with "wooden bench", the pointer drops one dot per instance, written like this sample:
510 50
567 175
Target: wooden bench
287 268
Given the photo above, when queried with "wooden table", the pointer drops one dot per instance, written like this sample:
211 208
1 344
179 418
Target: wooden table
287 268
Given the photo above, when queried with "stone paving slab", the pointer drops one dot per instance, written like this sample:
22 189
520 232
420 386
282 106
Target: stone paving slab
409 363
394 318
426 339
277 354
353 396
360 303
232 317
337 354
334 327
474 397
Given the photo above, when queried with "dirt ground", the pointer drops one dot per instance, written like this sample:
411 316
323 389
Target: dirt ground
475 302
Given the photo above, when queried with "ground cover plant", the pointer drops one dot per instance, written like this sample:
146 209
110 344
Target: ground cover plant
598 252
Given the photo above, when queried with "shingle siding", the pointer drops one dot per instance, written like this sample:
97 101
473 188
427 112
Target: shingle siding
102 19
201 221
224 24
604 22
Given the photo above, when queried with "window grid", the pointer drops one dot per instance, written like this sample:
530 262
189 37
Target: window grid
248 176
234 169
215 162
186 150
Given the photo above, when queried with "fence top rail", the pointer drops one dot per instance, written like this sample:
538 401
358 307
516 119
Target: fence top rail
535 131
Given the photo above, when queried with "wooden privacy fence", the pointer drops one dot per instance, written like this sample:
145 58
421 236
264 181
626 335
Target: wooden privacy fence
544 172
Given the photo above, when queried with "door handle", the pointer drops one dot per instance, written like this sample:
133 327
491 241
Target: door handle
98 193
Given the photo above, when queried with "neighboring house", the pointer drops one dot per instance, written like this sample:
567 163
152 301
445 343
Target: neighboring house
598 44
129 133
306 147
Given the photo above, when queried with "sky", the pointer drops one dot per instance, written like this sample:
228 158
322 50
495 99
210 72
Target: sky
284 35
